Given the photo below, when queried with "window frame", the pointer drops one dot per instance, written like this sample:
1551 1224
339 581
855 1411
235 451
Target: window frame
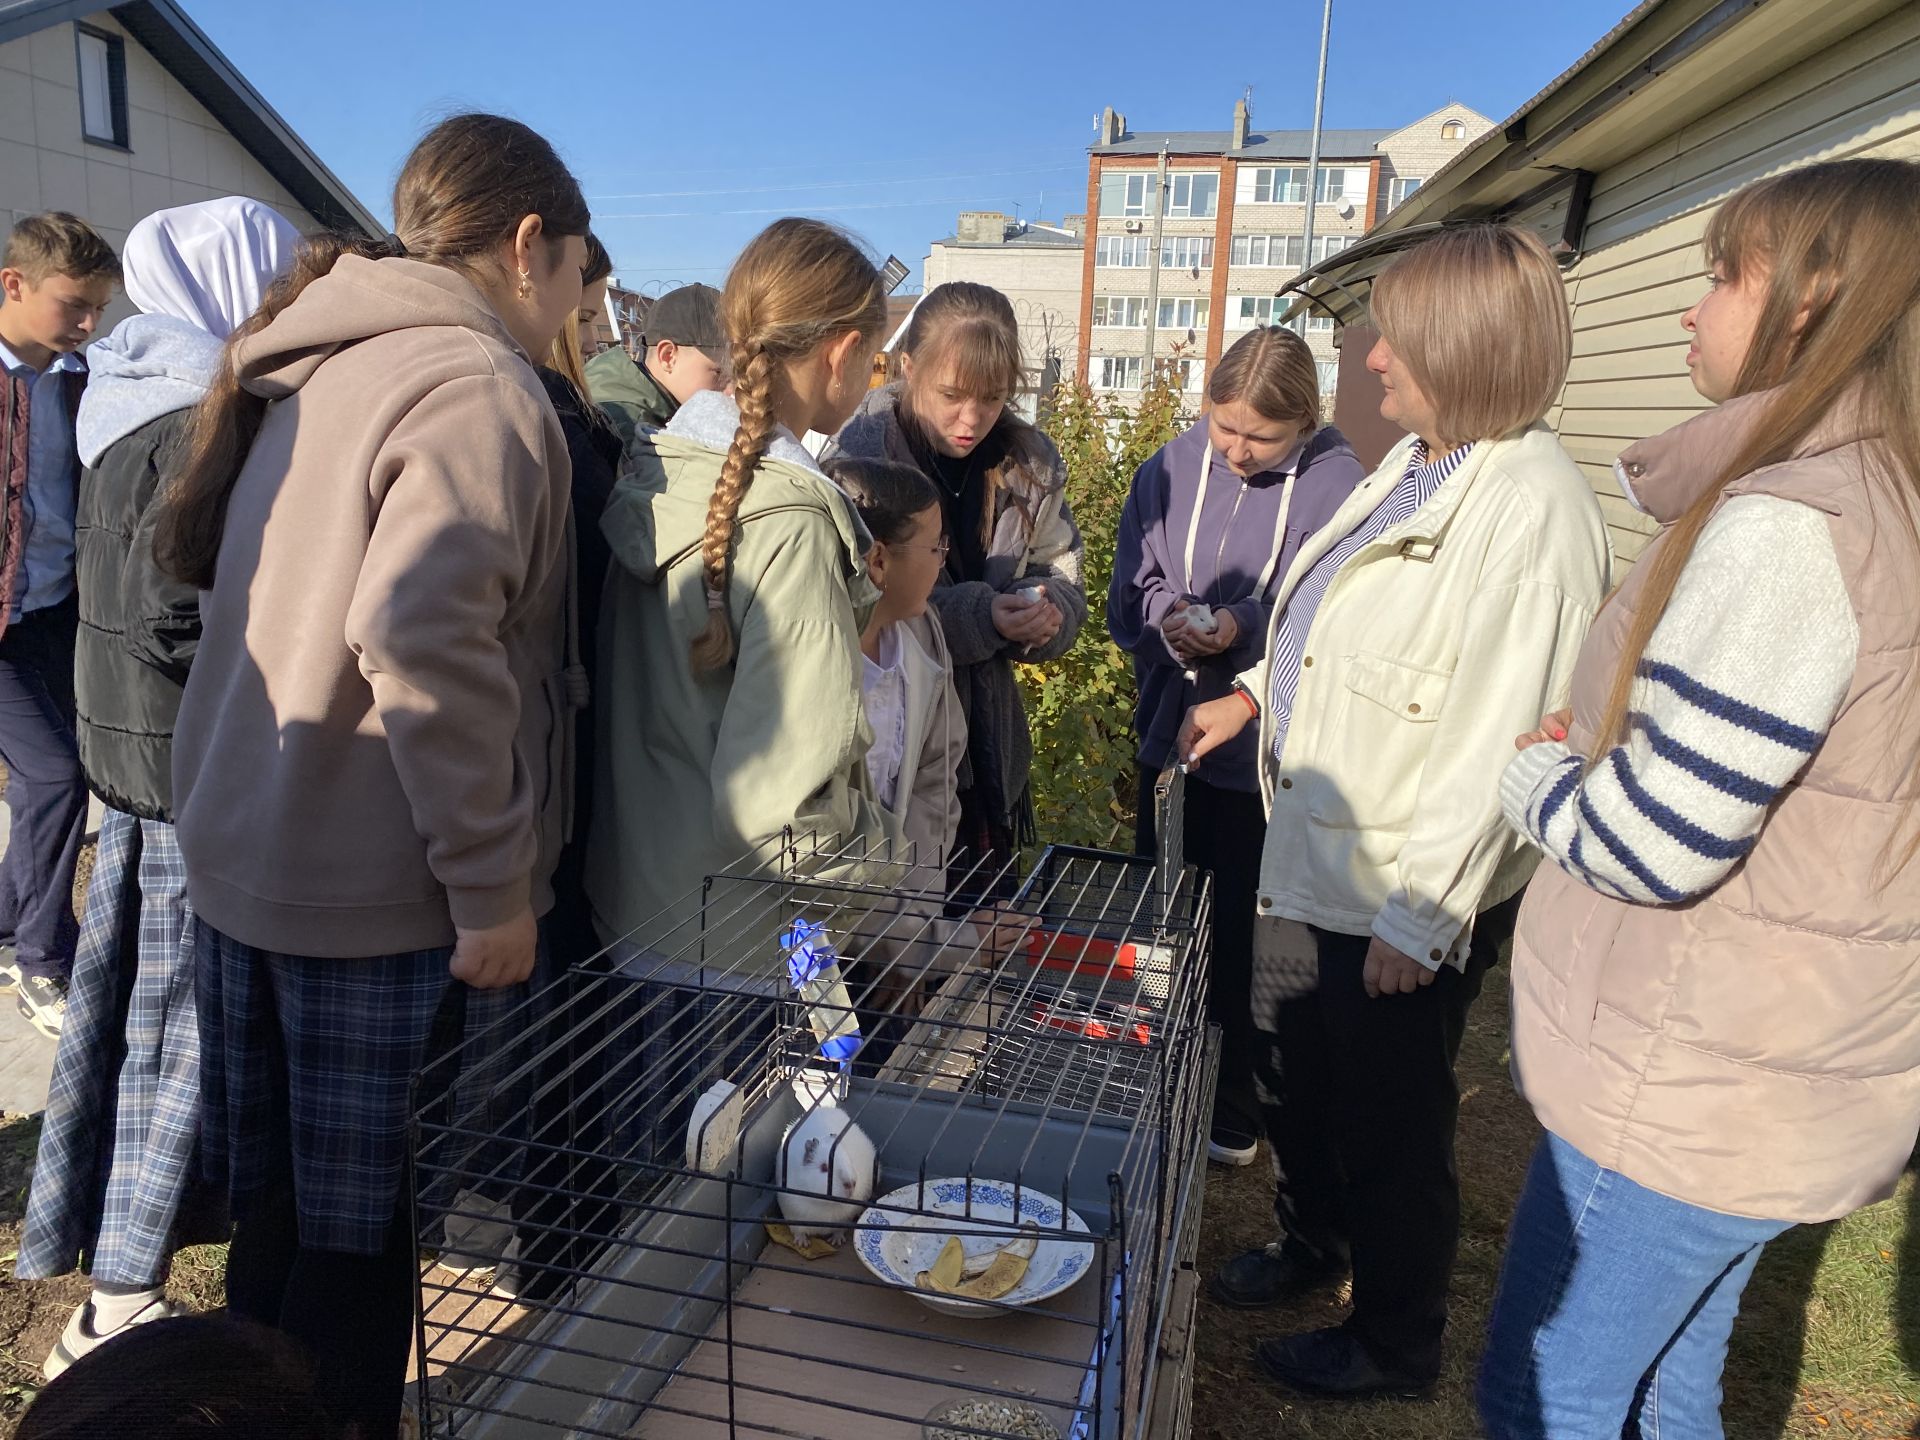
1402 187
1140 245
115 48
1171 245
1199 312
1128 366
1103 305
1189 180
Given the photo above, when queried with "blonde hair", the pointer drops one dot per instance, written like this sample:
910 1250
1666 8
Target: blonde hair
567 355
798 284
1479 315
1272 371
974 327
1840 325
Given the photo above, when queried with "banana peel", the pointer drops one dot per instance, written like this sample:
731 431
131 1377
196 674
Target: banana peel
982 1277
812 1248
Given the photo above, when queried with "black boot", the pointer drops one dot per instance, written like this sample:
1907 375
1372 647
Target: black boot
1272 1275
1336 1364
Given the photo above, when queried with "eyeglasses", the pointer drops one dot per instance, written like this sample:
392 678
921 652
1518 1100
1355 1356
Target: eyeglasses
938 549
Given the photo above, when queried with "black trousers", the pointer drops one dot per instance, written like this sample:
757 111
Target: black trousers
46 793
1224 832
1363 1137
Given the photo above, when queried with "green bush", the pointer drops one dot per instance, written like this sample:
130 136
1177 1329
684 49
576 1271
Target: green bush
1080 707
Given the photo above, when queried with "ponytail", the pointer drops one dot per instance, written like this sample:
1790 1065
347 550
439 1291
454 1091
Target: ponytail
798 284
753 392
465 188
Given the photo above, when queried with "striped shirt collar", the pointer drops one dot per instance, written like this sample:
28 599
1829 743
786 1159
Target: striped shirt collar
1429 473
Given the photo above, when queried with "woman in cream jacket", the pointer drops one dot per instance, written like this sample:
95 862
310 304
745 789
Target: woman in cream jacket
1445 600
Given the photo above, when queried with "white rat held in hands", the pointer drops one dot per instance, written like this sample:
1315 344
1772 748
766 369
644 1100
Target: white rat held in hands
830 1158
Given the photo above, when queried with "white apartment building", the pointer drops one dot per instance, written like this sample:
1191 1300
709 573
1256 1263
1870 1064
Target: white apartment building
1231 221
1036 266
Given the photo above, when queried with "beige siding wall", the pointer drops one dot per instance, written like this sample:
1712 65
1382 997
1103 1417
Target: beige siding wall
1643 266
177 152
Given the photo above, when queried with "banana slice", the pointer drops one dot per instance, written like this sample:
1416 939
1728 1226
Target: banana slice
947 1270
1002 1276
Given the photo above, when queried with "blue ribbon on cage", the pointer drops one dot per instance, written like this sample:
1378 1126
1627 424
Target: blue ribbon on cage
809 951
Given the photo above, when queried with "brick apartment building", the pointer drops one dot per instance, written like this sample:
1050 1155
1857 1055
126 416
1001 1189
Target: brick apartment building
1232 231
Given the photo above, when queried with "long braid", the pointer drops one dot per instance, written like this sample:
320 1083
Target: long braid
753 392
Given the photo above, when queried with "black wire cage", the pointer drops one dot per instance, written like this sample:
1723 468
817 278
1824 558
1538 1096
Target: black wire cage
670 1198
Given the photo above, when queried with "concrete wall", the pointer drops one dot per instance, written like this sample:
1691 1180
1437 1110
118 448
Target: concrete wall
177 153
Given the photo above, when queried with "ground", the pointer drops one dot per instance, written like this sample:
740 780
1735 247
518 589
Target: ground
1825 1347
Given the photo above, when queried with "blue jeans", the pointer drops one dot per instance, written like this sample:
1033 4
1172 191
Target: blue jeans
1614 1309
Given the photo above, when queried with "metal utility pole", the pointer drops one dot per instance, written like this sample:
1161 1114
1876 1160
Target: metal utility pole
1313 150
1153 263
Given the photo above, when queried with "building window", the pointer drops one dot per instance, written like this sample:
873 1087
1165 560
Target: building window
1287 185
1185 313
1277 186
1128 312
1114 372
1186 252
1193 195
1403 186
1269 310
1453 130
1260 310
103 85
1329 372
1284 252
1122 251
1186 375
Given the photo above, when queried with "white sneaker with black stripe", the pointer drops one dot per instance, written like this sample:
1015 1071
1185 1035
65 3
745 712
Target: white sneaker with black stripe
43 1002
80 1338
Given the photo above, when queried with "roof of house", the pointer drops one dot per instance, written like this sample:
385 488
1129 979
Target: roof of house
1263 145
1042 237
207 75
1665 64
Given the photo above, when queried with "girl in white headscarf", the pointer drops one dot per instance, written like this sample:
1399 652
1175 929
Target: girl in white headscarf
118 1145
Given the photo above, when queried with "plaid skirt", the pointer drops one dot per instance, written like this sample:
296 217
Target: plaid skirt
309 1069
123 1111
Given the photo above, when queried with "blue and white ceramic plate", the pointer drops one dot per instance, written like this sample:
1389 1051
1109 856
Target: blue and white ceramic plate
896 1247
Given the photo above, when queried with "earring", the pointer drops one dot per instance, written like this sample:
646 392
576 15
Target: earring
526 286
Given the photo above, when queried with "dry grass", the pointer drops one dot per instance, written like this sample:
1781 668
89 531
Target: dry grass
1827 1343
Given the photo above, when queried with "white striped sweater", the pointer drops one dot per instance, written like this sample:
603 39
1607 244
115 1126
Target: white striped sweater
1739 684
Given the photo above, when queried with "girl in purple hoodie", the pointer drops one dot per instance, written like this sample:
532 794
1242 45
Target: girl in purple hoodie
1213 521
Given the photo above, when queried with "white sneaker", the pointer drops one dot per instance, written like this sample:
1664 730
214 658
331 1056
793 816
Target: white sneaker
43 1004
482 1238
80 1338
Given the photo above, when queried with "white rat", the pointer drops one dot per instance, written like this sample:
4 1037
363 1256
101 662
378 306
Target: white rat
826 1154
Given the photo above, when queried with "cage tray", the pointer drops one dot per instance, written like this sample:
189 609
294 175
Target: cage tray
869 1384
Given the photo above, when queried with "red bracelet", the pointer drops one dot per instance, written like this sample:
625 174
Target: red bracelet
1252 704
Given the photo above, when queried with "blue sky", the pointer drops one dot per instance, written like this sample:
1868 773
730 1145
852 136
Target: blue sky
691 126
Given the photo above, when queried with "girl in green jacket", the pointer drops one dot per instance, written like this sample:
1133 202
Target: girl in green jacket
729 675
